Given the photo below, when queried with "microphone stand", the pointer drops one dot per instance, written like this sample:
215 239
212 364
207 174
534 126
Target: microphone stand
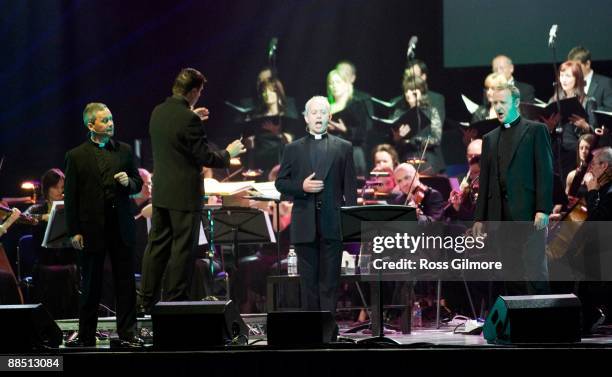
418 114
272 60
559 128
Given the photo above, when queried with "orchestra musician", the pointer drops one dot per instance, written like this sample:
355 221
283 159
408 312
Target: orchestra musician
428 201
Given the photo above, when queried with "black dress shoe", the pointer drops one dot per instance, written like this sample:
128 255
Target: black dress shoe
78 343
128 342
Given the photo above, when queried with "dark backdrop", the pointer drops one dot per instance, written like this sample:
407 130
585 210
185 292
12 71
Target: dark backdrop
59 55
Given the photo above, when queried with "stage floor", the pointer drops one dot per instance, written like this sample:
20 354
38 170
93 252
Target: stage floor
426 337
424 351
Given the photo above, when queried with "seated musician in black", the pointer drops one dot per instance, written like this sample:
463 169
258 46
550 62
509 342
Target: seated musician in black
59 295
595 292
428 201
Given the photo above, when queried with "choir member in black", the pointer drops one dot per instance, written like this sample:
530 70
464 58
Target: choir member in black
565 143
350 119
418 68
266 73
503 64
596 86
486 110
348 69
60 296
268 123
410 139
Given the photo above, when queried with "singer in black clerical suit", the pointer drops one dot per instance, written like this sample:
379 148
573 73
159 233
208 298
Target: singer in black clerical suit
318 173
516 183
100 177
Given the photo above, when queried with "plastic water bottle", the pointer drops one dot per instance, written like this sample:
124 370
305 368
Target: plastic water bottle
292 269
417 315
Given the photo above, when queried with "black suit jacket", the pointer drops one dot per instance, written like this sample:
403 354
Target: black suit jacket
84 194
529 177
601 90
180 149
336 170
527 91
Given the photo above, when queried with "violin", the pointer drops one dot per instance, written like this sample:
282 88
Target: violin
23 218
417 195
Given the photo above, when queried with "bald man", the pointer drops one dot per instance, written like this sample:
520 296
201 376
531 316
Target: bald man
503 64
431 207
317 172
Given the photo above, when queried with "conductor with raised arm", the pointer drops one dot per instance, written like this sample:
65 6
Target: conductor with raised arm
180 149
318 173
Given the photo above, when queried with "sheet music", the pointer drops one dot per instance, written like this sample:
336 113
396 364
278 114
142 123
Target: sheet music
603 112
385 103
238 108
212 187
267 190
269 226
470 105
202 238
539 101
56 234
387 121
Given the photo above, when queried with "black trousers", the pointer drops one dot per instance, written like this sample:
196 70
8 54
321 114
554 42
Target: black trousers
173 238
319 265
92 269
523 254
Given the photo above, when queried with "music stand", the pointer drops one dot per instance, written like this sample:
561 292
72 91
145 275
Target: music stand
351 218
234 225
56 234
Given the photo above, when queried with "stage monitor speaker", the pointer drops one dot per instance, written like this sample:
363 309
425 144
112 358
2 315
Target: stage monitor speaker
192 325
27 328
534 319
299 328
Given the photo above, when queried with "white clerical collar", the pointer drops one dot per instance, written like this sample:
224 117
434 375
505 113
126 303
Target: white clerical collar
514 122
318 136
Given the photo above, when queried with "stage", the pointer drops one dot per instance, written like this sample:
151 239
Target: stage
425 350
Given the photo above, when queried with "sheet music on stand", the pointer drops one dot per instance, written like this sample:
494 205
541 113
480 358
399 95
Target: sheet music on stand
212 187
267 190
56 234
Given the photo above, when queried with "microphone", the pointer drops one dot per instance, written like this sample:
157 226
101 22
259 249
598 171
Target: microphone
272 47
411 46
552 35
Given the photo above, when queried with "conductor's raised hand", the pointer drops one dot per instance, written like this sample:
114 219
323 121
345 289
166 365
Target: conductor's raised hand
235 148
311 185
202 112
